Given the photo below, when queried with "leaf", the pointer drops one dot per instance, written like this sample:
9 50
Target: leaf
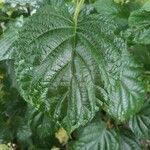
139 22
111 8
117 12
97 136
40 123
36 2
108 7
22 2
24 135
54 3
128 141
42 128
142 54
8 38
61 67
139 123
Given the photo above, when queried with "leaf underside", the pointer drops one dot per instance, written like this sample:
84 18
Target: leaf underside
61 68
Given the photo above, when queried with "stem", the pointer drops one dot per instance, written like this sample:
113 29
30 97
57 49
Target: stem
79 4
77 10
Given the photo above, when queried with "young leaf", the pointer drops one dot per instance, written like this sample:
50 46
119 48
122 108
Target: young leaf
140 124
60 65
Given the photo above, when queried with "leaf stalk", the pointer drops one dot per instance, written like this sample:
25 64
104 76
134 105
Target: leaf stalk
79 4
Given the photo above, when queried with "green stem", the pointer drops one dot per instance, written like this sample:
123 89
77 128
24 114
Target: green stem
77 10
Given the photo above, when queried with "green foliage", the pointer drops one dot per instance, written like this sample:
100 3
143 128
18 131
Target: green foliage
68 63
96 135
8 38
22 2
139 22
139 124
119 13
82 66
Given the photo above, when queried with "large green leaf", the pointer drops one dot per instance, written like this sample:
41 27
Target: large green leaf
8 38
140 124
60 67
139 22
97 136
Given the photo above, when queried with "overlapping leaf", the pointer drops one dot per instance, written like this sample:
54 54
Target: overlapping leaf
97 136
128 141
8 38
60 67
139 22
36 2
115 10
140 122
22 2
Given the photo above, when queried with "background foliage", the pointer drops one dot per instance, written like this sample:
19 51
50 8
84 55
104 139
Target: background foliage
30 125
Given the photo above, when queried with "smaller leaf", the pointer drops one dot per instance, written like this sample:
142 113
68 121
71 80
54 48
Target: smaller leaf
40 123
113 9
139 22
140 124
24 135
8 38
54 3
142 54
97 136
128 141
22 2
